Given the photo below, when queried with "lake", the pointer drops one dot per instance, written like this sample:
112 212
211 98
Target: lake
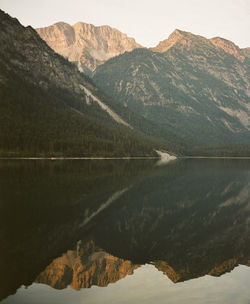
124 231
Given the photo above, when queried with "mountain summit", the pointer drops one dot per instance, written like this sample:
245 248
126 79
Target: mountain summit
85 44
188 40
228 47
178 37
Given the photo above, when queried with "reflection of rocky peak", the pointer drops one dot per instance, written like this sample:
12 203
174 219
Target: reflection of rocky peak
226 266
84 267
86 44
89 265
168 270
185 273
186 234
192 214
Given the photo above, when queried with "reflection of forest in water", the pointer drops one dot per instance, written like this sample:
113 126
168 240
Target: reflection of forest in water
188 218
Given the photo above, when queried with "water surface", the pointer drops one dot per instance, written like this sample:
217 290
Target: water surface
120 231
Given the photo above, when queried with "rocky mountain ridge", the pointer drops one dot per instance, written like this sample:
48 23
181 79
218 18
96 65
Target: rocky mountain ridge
85 44
188 39
89 46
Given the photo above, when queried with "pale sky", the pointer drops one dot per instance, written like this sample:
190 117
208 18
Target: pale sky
148 21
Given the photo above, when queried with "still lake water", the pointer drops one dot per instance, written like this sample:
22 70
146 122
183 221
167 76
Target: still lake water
120 231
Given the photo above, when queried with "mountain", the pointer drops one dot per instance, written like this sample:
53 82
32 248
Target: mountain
85 44
49 108
193 86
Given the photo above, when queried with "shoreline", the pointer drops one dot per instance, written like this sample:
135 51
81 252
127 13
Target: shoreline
79 158
122 158
214 157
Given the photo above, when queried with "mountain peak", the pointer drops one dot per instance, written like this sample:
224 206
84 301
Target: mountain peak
178 32
187 39
228 47
177 36
86 44
58 26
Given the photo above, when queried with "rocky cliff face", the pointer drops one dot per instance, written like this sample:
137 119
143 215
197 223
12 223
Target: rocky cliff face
194 86
228 47
84 267
85 44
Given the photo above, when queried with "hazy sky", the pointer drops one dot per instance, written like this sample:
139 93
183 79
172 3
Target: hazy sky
148 21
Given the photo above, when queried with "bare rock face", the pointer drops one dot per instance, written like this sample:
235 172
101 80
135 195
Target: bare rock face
86 266
228 47
188 40
180 38
86 44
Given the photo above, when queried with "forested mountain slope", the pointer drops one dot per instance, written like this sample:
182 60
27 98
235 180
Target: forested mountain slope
49 108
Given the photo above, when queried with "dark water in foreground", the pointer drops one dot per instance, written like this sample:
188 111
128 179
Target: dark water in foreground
125 231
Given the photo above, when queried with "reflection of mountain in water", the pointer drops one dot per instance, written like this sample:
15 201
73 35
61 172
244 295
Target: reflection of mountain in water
196 221
184 274
43 206
84 267
189 218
